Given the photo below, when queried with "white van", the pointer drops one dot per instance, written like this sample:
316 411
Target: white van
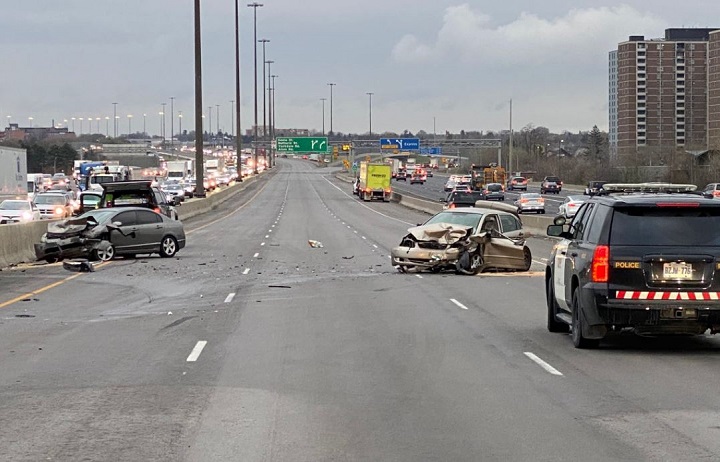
34 184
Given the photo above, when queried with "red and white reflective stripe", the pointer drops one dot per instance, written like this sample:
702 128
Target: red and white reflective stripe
636 295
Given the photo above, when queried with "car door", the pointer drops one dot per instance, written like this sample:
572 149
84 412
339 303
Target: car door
561 266
125 238
576 251
149 230
511 226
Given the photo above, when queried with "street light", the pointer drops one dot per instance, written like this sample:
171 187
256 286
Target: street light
172 121
114 120
144 130
162 133
266 87
129 124
323 115
255 6
162 127
331 107
71 118
107 126
217 123
97 119
272 105
370 94
81 123
180 117
210 137
238 140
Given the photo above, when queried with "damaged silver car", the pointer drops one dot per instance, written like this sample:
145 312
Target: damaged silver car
465 240
104 233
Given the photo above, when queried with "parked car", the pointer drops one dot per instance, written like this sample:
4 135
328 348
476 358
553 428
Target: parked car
517 183
54 205
530 202
102 234
551 184
712 190
594 187
570 206
18 211
466 240
635 260
494 192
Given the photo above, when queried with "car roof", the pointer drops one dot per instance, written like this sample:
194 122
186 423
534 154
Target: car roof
135 185
639 199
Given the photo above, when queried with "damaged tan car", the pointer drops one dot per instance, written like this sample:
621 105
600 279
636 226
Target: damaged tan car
467 241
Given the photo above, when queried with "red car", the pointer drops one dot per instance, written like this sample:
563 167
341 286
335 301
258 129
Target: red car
517 182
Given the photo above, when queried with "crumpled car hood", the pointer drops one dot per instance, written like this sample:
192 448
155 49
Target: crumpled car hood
71 226
442 233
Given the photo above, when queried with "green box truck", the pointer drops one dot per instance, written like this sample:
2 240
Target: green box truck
375 181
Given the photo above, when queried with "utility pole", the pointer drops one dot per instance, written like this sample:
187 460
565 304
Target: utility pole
199 174
114 121
323 115
510 152
172 121
370 94
331 106
266 88
238 139
255 6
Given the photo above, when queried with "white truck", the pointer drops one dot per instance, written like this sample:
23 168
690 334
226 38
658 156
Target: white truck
176 169
13 172
214 166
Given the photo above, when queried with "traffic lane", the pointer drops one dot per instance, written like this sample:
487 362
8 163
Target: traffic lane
608 389
340 356
117 339
433 190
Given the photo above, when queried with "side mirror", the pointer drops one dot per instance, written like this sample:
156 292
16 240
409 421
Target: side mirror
117 223
557 231
559 220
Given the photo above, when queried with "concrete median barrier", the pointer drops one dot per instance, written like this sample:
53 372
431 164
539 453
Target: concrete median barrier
17 240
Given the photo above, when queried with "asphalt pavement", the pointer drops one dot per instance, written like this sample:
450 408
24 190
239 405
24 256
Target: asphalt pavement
253 345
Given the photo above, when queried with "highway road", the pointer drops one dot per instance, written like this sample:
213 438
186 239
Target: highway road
252 345
433 190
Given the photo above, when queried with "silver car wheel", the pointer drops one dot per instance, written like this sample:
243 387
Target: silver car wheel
168 246
106 254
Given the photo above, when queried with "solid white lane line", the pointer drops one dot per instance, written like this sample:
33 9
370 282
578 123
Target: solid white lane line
195 353
247 270
257 254
533 357
230 297
459 304
418 276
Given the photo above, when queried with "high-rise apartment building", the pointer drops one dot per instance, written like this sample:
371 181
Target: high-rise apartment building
612 103
714 91
661 93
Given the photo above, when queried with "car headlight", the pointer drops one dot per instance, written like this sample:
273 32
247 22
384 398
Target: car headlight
27 216
59 211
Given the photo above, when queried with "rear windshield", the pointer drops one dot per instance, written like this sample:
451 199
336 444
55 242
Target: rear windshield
671 226
494 187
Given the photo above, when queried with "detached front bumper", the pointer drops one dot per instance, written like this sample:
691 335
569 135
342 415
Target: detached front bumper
423 258
73 247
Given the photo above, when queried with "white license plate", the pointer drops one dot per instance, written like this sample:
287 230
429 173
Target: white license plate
677 271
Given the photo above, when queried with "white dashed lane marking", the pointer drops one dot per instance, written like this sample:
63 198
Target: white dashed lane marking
195 353
459 304
247 270
537 360
230 297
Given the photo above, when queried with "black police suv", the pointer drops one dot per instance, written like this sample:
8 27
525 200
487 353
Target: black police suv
637 257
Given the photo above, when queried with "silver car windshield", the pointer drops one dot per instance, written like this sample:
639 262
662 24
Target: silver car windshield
457 218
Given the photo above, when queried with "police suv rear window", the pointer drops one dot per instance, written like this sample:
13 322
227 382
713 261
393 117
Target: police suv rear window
666 226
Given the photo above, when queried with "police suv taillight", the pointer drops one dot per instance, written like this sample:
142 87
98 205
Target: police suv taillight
600 268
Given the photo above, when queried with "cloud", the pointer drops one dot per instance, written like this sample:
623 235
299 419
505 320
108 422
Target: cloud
579 37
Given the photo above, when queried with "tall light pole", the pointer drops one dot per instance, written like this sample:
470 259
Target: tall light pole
331 85
255 6
266 88
163 123
172 120
510 146
180 117
97 119
323 115
210 128
114 120
81 123
370 96
237 129
129 124
144 125
199 174
71 118
107 127
162 132
272 123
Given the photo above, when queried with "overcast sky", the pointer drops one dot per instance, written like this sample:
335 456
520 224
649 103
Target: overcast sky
458 61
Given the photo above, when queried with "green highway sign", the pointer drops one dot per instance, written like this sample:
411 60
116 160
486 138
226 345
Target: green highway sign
302 144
